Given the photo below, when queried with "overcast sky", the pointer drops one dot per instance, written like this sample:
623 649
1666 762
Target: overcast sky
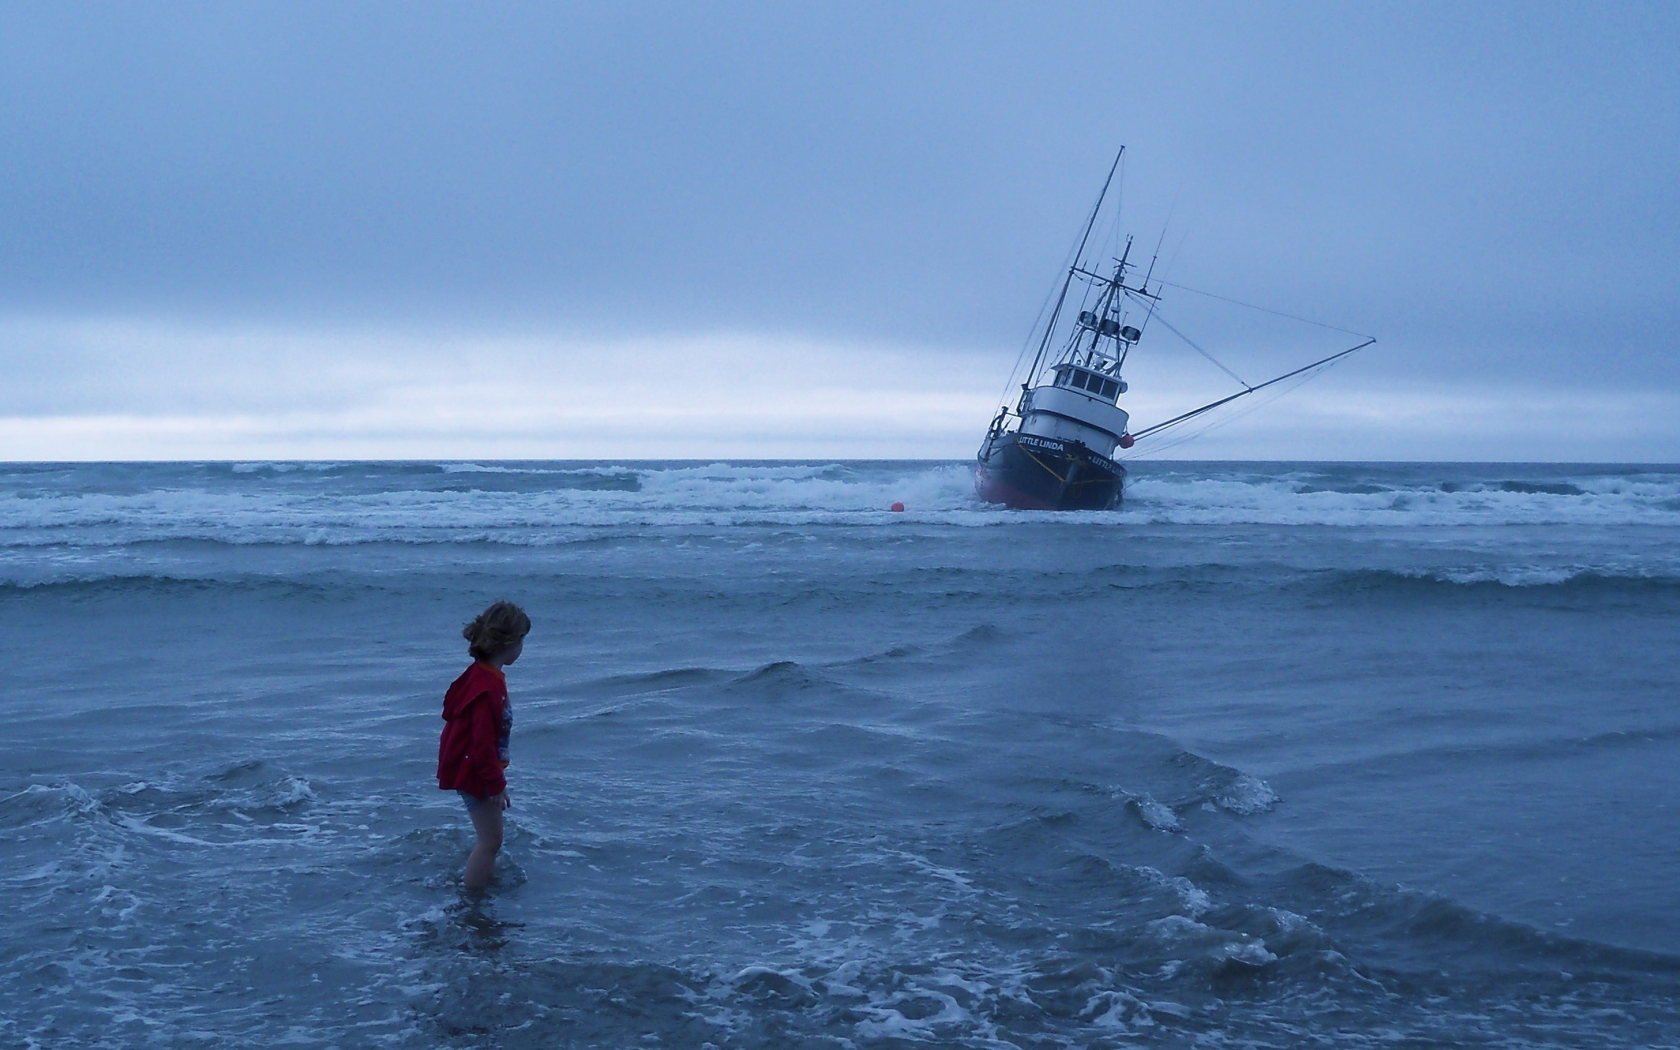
457 230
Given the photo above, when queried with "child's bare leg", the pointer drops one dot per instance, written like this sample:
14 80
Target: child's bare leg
487 821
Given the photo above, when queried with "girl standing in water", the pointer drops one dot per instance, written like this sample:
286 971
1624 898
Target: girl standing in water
477 721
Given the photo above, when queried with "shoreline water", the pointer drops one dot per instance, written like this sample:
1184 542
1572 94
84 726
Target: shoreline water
1266 752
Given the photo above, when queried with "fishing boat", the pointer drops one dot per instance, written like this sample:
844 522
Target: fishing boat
1055 448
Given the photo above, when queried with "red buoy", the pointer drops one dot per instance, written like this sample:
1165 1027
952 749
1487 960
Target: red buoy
898 506
1126 441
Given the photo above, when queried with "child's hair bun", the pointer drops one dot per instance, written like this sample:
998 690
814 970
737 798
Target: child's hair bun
495 629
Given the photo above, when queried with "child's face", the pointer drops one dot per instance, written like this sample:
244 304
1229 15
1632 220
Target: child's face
511 653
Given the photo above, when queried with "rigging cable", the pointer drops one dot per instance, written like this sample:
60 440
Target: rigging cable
1026 344
1149 315
1262 309
1223 421
1176 420
1156 315
1078 254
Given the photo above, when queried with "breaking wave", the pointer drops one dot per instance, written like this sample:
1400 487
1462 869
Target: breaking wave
1633 581
539 504
1410 496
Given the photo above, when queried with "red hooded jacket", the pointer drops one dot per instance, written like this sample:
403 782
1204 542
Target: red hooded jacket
475 715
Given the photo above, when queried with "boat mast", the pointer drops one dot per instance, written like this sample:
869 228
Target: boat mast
1106 303
1067 282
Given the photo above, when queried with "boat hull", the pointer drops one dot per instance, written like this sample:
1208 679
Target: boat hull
1027 472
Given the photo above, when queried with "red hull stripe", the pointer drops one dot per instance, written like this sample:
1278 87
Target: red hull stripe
994 491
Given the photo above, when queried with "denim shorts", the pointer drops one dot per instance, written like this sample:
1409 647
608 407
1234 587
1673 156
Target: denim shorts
473 801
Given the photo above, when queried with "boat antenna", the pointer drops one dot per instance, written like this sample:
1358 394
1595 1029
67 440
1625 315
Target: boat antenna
1151 271
1193 413
1150 313
1078 257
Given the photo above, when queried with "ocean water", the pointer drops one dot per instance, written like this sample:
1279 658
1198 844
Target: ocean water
1278 755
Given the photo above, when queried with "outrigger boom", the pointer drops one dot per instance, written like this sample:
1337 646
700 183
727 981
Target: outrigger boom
1193 413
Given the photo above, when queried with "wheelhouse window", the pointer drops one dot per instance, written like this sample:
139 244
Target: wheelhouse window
1080 379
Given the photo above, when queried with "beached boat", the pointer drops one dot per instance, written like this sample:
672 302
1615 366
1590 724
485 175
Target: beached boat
1054 449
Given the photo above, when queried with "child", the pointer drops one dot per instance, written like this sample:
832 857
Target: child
477 718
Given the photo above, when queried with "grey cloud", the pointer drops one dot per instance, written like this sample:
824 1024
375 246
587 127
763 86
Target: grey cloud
1488 188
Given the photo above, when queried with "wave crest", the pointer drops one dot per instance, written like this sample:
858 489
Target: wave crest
346 503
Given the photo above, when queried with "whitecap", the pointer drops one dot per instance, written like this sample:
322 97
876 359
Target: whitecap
1248 795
